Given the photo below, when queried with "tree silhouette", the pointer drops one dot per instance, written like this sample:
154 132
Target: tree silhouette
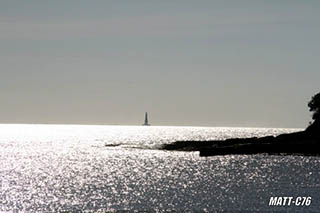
314 106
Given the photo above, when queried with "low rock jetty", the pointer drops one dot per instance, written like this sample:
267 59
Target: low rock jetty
299 143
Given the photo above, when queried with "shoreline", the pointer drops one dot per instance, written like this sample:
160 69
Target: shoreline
306 143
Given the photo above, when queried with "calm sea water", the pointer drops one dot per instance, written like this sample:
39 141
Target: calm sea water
50 168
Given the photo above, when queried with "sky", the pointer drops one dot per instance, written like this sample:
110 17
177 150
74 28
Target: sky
243 63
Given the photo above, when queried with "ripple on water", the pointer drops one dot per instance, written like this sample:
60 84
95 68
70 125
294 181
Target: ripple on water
68 168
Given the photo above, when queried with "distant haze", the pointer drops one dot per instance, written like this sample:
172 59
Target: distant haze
196 63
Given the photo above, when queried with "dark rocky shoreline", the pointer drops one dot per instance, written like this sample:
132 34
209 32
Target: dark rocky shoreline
299 143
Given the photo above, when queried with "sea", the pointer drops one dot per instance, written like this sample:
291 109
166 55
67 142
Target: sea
99 168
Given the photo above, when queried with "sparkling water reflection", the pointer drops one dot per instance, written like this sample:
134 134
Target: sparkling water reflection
68 168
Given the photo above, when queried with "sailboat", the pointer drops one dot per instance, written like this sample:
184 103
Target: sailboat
146 123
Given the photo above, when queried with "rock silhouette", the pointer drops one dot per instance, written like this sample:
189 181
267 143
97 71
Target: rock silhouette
306 142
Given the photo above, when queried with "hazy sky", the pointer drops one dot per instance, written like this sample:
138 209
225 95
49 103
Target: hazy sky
207 63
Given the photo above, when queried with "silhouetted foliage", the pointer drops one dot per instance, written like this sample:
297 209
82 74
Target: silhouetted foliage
314 106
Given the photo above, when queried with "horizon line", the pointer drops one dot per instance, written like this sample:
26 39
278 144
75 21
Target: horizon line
200 126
